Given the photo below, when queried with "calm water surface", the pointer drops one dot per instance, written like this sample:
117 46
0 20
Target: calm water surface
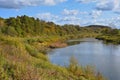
89 51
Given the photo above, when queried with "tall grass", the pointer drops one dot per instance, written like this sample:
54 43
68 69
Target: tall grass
23 59
83 73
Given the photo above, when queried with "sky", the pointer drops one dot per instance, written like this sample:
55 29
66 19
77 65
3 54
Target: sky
77 12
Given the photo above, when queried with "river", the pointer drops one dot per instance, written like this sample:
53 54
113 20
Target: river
89 51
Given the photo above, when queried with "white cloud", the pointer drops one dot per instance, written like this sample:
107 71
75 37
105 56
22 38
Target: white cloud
95 13
117 4
70 12
70 20
70 16
16 4
104 4
49 2
52 2
108 5
47 17
86 1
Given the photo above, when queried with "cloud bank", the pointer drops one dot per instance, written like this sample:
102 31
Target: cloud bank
16 4
104 4
70 12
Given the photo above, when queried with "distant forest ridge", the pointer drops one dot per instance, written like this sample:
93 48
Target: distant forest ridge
25 25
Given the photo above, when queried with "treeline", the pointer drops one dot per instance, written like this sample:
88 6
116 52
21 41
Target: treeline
110 35
23 26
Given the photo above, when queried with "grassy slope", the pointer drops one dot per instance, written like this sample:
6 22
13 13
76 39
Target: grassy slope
23 59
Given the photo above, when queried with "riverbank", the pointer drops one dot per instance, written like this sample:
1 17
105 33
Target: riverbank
57 45
109 39
24 58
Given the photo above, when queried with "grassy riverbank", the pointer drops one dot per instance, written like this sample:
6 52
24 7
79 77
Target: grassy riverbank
24 59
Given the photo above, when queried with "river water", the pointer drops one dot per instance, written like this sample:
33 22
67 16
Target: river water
89 51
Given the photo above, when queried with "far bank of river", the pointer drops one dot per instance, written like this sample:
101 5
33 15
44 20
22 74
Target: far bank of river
90 51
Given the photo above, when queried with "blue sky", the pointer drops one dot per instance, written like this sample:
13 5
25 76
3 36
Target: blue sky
79 12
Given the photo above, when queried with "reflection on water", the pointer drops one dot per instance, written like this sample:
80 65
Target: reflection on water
90 51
